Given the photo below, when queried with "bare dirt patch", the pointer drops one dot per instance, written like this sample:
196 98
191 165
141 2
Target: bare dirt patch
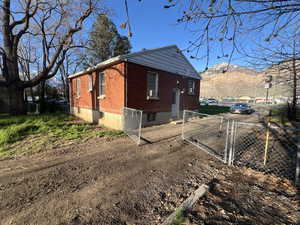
105 181
247 197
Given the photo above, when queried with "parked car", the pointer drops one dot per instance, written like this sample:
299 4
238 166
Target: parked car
61 101
203 102
241 108
212 101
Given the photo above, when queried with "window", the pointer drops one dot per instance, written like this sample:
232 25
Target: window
90 82
101 84
191 87
151 117
78 87
152 85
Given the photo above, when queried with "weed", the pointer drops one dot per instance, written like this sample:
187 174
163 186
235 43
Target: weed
180 218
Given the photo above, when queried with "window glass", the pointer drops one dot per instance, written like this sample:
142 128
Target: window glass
78 87
101 84
152 83
191 87
90 82
151 117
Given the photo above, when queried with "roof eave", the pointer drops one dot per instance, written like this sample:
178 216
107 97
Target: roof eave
101 65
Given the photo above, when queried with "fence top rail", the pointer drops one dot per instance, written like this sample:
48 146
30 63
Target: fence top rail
270 126
132 109
250 124
203 114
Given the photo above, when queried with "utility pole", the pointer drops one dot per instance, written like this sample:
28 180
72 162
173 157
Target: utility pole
268 85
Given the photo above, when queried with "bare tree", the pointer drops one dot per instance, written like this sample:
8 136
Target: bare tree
282 60
70 66
52 25
218 24
27 57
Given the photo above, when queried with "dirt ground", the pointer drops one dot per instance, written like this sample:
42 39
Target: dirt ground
105 181
247 197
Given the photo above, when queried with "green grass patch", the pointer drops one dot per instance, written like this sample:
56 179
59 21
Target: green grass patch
31 133
180 218
213 109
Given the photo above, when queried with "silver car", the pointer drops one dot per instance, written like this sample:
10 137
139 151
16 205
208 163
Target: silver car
241 108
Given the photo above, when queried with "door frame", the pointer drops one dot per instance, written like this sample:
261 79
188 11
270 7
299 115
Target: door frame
175 108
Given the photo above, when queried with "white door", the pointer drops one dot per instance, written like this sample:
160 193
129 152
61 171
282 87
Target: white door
175 103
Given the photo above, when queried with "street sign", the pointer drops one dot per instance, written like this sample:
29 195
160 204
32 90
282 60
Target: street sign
268 85
268 79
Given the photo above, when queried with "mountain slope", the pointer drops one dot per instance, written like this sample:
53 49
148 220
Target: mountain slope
240 81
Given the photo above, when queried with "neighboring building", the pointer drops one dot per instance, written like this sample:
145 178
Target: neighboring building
247 99
161 82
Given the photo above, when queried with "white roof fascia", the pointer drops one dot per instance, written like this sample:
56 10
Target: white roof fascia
99 66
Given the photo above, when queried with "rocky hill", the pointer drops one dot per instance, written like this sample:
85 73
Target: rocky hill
240 81
222 67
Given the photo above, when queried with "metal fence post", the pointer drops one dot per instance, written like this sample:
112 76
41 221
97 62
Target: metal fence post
226 142
140 127
234 139
231 144
183 121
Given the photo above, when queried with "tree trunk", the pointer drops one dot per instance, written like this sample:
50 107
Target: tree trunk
42 97
17 104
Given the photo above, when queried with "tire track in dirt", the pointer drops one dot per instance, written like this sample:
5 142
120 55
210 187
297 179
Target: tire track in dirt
82 182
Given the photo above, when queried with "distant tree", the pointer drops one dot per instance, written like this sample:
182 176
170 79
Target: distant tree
68 67
105 42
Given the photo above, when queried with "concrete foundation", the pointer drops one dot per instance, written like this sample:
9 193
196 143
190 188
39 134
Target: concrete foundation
88 115
111 120
161 117
115 121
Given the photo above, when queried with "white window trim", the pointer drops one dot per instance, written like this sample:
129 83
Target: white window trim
156 97
99 86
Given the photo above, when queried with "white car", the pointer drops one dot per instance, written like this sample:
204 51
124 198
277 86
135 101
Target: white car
211 101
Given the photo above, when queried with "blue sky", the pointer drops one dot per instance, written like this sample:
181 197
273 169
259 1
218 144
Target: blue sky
154 26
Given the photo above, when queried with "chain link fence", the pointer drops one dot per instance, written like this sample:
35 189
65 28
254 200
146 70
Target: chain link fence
132 123
267 148
209 133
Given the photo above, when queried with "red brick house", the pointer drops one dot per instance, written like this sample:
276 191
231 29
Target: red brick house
161 82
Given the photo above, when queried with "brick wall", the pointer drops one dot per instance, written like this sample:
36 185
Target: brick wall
113 101
137 90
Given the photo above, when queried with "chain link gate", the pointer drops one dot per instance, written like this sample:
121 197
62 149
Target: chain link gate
263 147
132 123
209 133
266 148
